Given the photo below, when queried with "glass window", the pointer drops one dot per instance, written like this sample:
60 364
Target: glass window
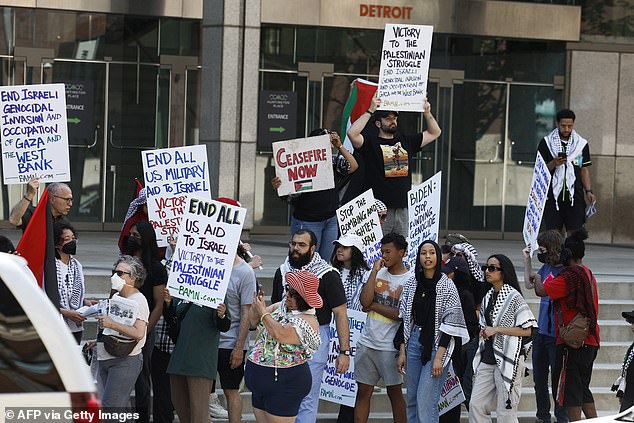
132 38
6 30
192 107
180 37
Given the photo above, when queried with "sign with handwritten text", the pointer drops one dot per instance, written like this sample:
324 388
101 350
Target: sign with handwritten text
360 217
404 67
170 174
207 243
536 201
34 133
341 388
451 393
423 209
304 165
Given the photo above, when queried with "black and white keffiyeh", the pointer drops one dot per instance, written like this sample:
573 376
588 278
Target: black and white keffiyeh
510 310
620 383
470 254
353 285
565 174
447 314
317 266
70 286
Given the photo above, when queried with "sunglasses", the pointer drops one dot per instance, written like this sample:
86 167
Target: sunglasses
120 273
491 268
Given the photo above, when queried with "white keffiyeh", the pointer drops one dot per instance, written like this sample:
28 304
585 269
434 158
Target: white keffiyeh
317 266
447 314
620 383
565 173
510 310
70 287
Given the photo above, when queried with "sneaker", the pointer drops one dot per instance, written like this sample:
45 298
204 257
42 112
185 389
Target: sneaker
216 410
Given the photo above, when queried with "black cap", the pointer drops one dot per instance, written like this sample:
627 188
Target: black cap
380 114
454 263
628 315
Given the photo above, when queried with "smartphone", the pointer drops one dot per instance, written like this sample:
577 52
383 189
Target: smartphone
562 154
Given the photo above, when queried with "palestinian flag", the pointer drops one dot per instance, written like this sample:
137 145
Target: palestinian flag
305 185
37 246
358 102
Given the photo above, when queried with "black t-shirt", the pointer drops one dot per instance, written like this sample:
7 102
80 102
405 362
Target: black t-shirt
467 300
156 275
389 166
330 289
579 162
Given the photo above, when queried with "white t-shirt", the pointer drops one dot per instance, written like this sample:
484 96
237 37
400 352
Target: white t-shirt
142 314
379 331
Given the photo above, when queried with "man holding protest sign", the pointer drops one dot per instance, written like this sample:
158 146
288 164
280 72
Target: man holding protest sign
302 255
388 157
61 199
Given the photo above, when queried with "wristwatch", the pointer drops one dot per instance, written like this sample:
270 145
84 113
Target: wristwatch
345 352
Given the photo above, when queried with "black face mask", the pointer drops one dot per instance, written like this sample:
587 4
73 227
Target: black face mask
70 248
133 244
542 257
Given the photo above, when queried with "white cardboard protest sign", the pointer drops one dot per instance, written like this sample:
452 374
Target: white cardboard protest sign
404 67
536 201
451 393
423 208
34 133
341 388
170 174
207 243
360 217
304 165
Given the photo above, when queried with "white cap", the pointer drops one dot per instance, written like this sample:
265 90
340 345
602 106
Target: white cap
350 240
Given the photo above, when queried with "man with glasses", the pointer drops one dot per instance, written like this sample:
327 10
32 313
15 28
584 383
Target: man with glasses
302 255
60 197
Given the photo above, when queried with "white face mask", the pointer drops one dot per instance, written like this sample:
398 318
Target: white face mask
117 282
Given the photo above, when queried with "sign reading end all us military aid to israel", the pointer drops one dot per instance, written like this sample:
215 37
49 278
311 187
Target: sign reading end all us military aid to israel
34 133
404 68
304 165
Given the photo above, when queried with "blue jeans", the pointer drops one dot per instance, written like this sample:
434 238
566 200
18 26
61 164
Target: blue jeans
423 390
325 230
308 408
544 360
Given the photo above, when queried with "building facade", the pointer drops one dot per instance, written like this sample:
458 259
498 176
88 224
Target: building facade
189 72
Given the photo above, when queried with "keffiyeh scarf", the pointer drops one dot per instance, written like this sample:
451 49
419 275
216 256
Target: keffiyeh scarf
510 310
317 266
352 285
565 173
620 385
448 317
470 254
70 287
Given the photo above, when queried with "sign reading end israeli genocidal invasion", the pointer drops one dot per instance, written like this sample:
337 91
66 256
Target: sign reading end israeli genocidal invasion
536 200
170 174
304 165
207 243
404 67
341 388
34 133
423 208
360 217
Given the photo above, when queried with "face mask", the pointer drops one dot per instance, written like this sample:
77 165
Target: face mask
117 282
542 257
70 248
133 244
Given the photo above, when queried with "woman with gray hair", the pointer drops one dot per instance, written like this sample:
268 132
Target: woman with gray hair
124 331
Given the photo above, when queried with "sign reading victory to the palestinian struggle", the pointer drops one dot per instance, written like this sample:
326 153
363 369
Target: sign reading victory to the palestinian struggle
34 133
423 207
304 165
536 201
207 243
404 67
360 217
170 174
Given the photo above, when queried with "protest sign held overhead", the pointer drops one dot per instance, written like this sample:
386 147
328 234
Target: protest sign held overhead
536 201
404 67
359 216
34 133
423 209
341 388
206 246
304 165
170 174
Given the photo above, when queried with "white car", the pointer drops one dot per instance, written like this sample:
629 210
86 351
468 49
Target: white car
40 363
626 416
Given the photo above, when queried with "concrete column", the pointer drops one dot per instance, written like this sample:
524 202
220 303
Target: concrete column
229 58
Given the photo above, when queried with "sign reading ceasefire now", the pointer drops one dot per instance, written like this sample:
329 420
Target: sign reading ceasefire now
383 11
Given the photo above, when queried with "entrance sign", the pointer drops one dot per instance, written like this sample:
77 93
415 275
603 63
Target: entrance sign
536 201
304 165
341 388
278 117
360 217
203 260
404 67
80 99
423 209
170 174
34 133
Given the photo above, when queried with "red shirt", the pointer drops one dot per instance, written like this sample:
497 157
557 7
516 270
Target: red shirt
556 290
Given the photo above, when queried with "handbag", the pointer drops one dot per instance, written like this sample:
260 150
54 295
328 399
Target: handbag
173 320
118 346
576 331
